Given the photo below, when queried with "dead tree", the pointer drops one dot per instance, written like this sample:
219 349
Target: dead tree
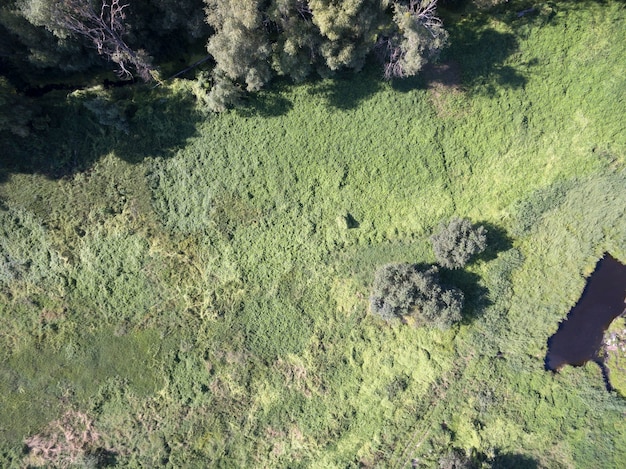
104 30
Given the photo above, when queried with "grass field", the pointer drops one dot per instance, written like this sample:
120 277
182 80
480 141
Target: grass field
198 286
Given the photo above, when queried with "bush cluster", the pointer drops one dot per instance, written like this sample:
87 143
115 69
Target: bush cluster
403 290
406 291
455 243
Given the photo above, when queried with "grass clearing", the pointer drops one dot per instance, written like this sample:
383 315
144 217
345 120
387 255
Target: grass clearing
203 296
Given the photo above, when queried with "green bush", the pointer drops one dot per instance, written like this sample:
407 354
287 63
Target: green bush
107 113
402 291
223 95
457 242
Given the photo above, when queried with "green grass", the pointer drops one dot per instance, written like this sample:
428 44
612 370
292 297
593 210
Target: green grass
200 287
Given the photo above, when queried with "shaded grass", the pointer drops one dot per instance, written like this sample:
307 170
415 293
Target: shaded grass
71 136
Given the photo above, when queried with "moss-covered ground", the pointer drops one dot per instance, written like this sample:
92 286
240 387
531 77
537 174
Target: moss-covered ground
198 285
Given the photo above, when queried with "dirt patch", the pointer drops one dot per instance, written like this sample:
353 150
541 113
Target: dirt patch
445 75
70 441
442 79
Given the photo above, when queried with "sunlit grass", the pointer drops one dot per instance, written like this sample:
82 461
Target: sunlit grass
208 304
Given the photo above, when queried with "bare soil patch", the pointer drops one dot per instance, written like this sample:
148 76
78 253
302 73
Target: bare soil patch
441 79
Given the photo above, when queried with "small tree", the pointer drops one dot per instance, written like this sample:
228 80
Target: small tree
417 37
395 290
402 291
457 242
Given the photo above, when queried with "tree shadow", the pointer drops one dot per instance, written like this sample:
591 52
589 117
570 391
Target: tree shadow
500 460
473 61
72 131
268 103
102 458
481 54
476 295
498 240
513 461
348 89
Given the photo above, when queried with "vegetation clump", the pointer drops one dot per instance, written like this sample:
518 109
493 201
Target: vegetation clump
404 291
455 243
255 41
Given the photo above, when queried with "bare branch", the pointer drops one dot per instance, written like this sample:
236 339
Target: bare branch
405 50
425 13
304 10
105 31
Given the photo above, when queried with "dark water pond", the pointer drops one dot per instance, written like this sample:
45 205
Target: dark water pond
579 337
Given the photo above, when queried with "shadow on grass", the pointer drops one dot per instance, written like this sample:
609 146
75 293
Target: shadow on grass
498 240
476 295
348 89
102 458
481 54
513 461
267 103
71 132
473 61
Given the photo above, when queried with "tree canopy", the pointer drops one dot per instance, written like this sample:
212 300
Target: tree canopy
254 40
456 242
249 41
406 291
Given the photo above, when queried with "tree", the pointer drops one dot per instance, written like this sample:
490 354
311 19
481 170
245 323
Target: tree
417 37
455 243
256 39
102 23
347 29
296 50
29 47
224 94
240 45
403 291
105 31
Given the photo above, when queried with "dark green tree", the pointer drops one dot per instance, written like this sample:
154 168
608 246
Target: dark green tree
456 242
49 29
31 50
403 290
74 35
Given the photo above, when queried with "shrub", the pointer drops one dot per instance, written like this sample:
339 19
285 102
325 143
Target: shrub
457 459
107 113
395 290
223 95
402 290
457 242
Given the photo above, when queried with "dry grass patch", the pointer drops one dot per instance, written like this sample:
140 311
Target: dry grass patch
443 80
65 442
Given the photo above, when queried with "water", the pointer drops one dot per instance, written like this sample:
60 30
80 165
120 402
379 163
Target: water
579 337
